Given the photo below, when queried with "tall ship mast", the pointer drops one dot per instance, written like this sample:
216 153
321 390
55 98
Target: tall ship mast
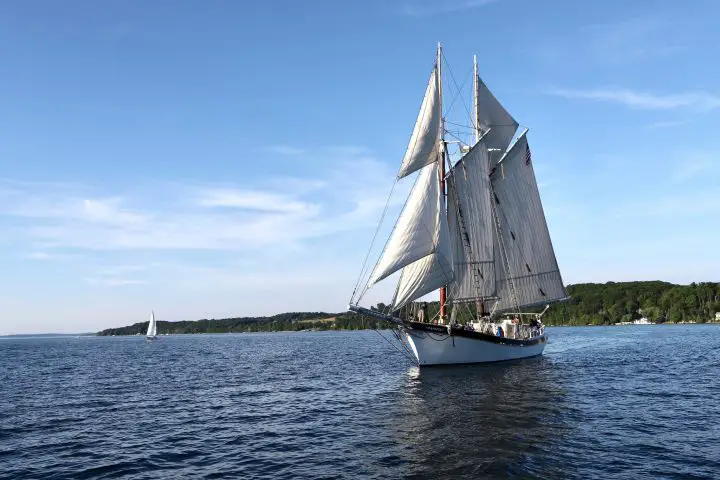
475 230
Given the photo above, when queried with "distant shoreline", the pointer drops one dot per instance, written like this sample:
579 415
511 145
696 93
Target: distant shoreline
387 328
55 335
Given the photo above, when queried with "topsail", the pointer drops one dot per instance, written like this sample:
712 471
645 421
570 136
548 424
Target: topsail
494 122
423 147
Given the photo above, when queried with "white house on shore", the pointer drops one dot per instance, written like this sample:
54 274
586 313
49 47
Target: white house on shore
717 316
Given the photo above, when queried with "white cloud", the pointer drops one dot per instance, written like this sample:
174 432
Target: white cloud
667 124
419 8
114 282
693 164
253 200
623 42
701 101
349 196
285 150
115 270
43 256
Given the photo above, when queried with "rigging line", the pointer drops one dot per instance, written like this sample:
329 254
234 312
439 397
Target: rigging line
455 137
457 94
460 125
395 346
377 230
396 334
452 76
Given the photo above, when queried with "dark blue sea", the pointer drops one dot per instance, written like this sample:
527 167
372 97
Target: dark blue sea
635 402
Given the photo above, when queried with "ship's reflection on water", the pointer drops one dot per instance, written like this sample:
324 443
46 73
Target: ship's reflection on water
495 420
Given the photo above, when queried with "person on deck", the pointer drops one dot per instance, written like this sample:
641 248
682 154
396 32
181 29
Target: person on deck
422 314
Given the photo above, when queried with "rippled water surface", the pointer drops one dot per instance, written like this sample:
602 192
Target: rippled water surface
617 402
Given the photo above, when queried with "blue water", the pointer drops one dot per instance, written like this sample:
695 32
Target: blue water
630 402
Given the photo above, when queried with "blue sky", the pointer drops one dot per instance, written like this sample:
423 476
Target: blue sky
220 158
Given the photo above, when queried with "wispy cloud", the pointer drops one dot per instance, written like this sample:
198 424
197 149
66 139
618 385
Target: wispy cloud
632 38
627 41
284 150
116 270
253 200
114 282
44 256
419 8
700 101
667 124
693 164
211 217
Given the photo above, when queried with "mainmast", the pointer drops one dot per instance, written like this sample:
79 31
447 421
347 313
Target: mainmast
480 304
443 148
476 105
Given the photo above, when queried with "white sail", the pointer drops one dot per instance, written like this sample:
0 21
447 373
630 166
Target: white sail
430 272
417 231
533 277
471 227
496 124
152 326
423 147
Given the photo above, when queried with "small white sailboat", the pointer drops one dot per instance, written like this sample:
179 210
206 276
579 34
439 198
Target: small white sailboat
152 327
477 233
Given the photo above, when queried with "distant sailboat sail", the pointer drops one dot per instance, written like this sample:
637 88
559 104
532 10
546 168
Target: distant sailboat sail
152 326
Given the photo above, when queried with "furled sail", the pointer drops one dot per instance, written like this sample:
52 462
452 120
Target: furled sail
496 124
430 272
419 229
423 147
471 227
531 276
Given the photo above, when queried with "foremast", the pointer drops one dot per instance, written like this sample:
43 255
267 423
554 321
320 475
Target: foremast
443 150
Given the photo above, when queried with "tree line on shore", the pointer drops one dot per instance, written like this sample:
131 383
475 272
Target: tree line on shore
589 304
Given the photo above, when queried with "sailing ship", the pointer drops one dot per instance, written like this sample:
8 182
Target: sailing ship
474 230
152 327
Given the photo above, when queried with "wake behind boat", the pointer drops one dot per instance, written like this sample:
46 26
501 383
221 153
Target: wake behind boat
152 327
477 233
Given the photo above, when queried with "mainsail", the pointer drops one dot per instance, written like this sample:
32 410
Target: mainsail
531 276
471 226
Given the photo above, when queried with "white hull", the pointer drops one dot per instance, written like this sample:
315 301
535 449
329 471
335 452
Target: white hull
437 349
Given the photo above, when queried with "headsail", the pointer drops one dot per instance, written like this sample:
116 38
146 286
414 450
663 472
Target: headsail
417 233
423 147
533 277
430 272
471 227
495 123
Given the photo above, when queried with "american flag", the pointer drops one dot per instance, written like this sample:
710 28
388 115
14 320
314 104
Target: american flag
528 157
